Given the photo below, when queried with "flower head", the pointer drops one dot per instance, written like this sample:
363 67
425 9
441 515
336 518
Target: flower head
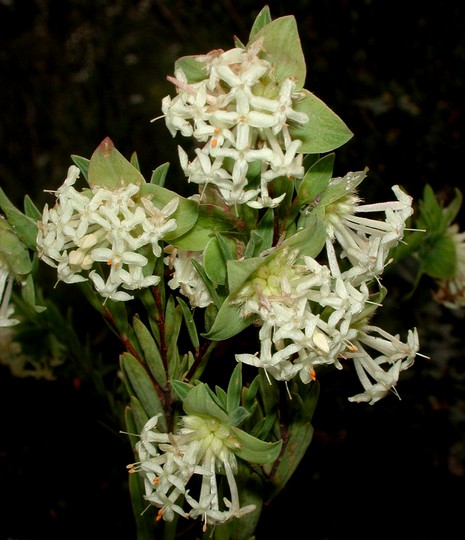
109 226
240 118
203 448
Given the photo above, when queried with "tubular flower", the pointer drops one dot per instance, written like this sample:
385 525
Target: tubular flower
310 316
240 118
170 463
397 355
451 291
305 315
364 242
186 278
100 225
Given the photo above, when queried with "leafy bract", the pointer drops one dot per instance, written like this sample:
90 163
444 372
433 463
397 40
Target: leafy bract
324 131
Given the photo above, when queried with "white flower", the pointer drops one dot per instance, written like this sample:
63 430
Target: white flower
202 447
107 226
186 278
397 355
365 242
242 118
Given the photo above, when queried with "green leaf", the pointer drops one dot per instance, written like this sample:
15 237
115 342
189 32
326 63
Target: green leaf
140 418
159 174
217 300
150 351
282 48
13 250
110 169
199 402
214 263
234 389
192 68
140 384
340 186
453 208
324 131
261 238
316 180
31 210
82 164
262 19
439 261
255 450
181 388
228 322
190 323
24 227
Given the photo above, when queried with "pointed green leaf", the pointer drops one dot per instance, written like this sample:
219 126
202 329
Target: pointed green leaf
214 263
140 384
282 48
192 68
440 260
228 322
24 227
234 388
190 323
151 352
110 169
199 401
181 388
31 210
82 164
159 174
339 187
13 251
324 131
316 180
255 450
262 19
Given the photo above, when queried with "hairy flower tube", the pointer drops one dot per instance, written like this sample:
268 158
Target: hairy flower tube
241 116
186 466
364 242
109 226
311 316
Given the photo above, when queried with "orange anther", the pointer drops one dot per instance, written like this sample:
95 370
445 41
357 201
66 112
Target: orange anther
159 515
313 374
214 142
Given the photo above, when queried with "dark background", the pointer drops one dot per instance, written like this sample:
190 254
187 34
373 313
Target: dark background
74 72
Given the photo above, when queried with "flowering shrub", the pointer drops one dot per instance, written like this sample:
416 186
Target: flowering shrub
272 251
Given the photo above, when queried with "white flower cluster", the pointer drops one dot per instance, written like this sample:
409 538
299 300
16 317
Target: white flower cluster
451 291
241 118
103 226
186 278
312 314
202 447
